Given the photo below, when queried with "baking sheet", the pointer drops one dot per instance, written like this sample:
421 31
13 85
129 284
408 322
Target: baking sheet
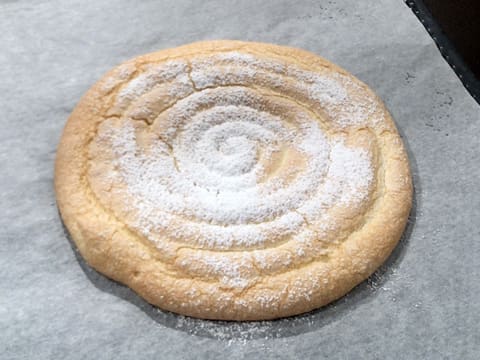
424 303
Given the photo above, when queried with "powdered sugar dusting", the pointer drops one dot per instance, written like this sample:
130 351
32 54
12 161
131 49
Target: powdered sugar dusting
153 76
346 108
223 166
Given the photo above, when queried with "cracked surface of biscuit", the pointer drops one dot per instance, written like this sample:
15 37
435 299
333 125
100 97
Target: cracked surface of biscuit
233 180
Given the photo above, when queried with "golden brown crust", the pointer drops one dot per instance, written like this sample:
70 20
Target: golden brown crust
122 253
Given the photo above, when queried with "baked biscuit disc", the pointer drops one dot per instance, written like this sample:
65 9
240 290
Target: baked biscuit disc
233 180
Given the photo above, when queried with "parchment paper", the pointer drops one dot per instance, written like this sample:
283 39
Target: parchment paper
423 304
